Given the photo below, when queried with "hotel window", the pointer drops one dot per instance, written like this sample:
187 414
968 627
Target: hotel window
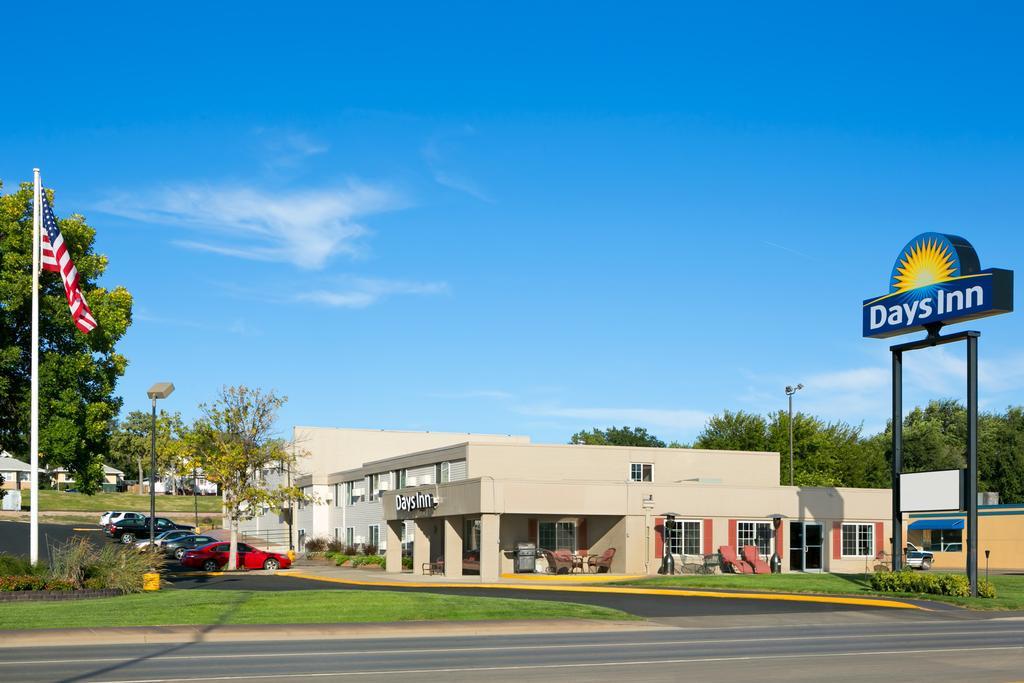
471 540
373 482
374 535
557 535
350 535
337 497
858 540
757 534
442 472
945 540
641 471
684 537
400 477
351 495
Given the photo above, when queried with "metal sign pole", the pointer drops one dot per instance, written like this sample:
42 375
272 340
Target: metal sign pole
897 459
971 473
972 463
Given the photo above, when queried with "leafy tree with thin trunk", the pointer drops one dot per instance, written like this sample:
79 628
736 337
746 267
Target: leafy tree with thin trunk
77 372
130 443
234 443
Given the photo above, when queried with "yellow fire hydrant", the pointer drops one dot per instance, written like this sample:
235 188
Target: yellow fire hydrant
151 582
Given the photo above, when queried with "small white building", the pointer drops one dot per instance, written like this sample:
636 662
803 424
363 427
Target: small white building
16 473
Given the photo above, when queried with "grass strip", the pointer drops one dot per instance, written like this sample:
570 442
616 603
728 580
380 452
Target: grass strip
132 502
190 607
1009 588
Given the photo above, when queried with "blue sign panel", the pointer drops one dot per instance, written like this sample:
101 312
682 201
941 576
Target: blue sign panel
937 280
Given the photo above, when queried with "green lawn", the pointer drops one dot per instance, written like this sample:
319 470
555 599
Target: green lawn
170 607
1009 589
100 502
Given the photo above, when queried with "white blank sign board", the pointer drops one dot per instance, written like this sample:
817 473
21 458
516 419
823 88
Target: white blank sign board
923 491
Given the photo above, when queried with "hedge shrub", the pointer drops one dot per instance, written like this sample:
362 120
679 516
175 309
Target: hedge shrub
909 581
362 560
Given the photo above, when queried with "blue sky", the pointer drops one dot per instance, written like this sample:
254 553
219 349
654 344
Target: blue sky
527 221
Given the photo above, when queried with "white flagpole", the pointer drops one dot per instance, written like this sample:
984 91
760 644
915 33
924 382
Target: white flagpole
33 534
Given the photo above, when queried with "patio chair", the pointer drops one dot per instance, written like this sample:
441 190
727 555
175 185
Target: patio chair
435 567
731 563
601 564
559 561
751 557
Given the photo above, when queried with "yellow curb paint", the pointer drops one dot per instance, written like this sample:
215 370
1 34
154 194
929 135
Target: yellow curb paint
571 578
187 574
781 597
83 529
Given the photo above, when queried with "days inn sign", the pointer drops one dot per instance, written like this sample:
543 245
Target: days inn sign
937 280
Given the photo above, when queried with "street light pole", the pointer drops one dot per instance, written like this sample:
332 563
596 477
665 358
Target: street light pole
789 392
195 501
158 390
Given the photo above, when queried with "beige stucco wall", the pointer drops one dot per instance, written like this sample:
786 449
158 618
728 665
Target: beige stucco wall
548 462
1002 534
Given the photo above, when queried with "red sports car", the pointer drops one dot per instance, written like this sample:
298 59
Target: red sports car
213 556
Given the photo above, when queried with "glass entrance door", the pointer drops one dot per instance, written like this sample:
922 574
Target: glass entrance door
813 536
805 545
796 546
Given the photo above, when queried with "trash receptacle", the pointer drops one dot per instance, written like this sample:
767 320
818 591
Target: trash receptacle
526 558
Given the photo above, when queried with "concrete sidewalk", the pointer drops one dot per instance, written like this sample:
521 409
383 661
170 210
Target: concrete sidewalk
272 632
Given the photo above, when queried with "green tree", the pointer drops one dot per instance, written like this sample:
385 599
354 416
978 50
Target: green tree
130 443
77 372
617 436
233 442
739 431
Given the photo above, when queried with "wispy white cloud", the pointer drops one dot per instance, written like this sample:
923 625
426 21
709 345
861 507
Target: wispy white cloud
288 148
440 166
238 326
680 420
363 292
305 228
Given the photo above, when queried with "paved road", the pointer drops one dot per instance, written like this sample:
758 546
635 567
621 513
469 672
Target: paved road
936 651
649 606
14 536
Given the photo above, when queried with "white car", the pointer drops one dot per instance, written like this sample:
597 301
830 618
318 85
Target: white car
164 537
115 516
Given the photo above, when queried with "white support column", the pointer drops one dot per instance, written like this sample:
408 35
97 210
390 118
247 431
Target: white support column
33 526
420 545
393 554
453 546
490 550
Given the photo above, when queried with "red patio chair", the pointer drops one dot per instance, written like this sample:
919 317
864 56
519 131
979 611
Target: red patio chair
751 557
559 561
601 564
732 563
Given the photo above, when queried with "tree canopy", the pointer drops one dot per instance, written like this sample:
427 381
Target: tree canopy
839 454
77 372
617 436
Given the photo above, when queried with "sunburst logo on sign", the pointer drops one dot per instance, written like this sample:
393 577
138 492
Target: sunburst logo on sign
937 280
925 263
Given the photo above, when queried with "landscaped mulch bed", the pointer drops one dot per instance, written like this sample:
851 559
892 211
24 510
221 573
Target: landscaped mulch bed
26 596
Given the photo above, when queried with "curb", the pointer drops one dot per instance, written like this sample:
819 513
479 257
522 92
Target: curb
253 632
784 597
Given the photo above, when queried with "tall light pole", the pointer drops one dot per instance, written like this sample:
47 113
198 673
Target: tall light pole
789 392
158 390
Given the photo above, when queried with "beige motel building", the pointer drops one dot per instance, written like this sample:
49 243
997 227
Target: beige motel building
453 496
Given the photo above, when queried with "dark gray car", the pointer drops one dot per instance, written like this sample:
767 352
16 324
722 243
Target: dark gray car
178 546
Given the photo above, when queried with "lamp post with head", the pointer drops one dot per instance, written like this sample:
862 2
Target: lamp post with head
789 392
158 390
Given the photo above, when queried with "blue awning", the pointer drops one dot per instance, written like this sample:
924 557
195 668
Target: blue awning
936 524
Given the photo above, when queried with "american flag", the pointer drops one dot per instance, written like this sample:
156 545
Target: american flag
57 259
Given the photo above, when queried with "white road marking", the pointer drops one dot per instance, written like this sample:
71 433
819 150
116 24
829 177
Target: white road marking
502 648
581 665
